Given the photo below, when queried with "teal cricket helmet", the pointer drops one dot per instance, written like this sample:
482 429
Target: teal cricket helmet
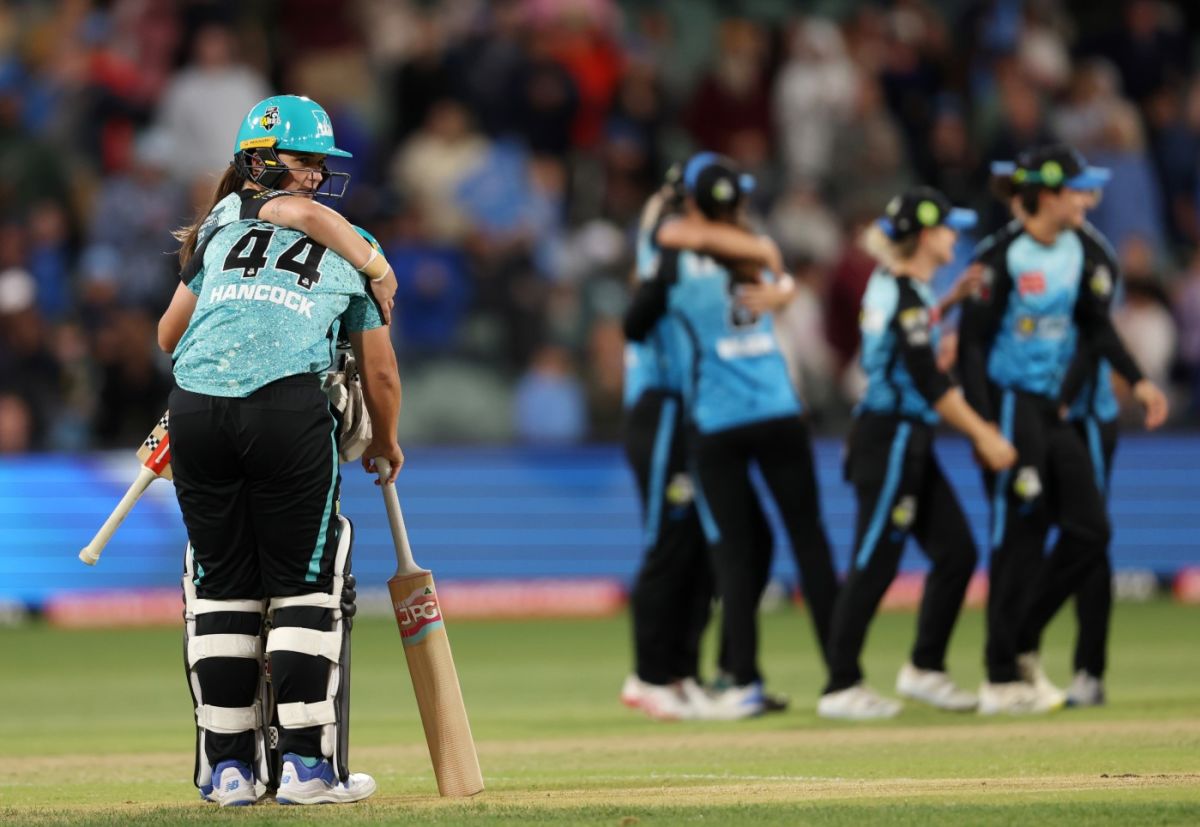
290 123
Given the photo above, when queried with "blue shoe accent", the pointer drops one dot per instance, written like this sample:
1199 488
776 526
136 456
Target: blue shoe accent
242 768
206 791
322 769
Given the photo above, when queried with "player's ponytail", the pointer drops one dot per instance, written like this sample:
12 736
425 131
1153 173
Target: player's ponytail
876 243
230 182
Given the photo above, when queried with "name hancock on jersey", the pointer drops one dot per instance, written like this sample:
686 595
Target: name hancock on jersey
263 293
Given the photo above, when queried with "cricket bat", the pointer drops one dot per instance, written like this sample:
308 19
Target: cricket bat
155 455
430 664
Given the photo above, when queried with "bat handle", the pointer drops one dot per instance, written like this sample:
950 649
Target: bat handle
91 552
405 564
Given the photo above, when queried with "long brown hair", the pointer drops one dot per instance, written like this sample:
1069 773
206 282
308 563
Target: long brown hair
230 182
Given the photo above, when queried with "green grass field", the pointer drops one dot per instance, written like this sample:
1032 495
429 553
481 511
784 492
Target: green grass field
95 729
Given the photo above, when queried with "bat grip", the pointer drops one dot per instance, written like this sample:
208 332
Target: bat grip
91 552
405 564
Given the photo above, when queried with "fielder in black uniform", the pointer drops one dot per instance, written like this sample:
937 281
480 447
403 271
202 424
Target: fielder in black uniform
900 486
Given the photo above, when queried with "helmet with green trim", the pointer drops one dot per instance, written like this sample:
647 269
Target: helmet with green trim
290 123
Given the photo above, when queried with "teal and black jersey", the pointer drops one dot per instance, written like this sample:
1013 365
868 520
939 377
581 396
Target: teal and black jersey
237 206
1040 301
652 363
735 374
270 304
1094 397
899 339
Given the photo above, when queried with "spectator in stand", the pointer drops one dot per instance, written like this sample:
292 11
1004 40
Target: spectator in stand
814 95
433 287
434 162
1132 202
29 370
730 111
1175 146
213 91
1187 312
132 219
549 405
1144 318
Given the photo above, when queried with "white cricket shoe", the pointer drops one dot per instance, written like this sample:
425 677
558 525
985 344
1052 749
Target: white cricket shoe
1014 698
937 689
1085 690
858 703
233 785
736 702
1029 667
666 703
301 784
632 691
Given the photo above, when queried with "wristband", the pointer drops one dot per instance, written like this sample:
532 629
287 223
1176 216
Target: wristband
376 267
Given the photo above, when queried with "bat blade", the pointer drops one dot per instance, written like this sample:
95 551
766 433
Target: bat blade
435 684
155 455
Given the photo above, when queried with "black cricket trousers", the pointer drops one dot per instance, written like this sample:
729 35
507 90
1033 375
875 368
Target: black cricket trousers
901 492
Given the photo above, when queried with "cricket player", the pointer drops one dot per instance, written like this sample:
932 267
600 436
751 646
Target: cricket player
898 481
742 408
252 330
672 594
1088 389
1044 292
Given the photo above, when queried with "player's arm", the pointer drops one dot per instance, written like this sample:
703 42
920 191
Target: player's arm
968 284
977 326
381 395
1097 333
649 302
178 314
720 240
331 230
914 335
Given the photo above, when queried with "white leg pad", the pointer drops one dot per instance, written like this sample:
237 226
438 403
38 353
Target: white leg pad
326 645
217 719
332 646
228 720
300 715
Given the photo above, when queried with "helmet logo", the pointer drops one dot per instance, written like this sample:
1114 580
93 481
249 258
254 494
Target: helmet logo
928 213
270 118
324 127
723 190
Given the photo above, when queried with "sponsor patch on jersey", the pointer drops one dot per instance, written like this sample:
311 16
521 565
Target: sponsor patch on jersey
904 513
915 323
743 347
1031 283
1101 282
1027 484
680 490
872 320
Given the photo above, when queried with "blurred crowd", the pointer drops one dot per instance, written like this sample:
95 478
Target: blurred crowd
502 151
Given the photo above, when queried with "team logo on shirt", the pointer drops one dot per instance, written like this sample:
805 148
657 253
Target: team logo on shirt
1101 282
1031 283
270 118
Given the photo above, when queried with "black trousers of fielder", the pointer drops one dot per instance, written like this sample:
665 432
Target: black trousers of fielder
257 481
901 491
672 596
1093 594
783 452
1053 482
